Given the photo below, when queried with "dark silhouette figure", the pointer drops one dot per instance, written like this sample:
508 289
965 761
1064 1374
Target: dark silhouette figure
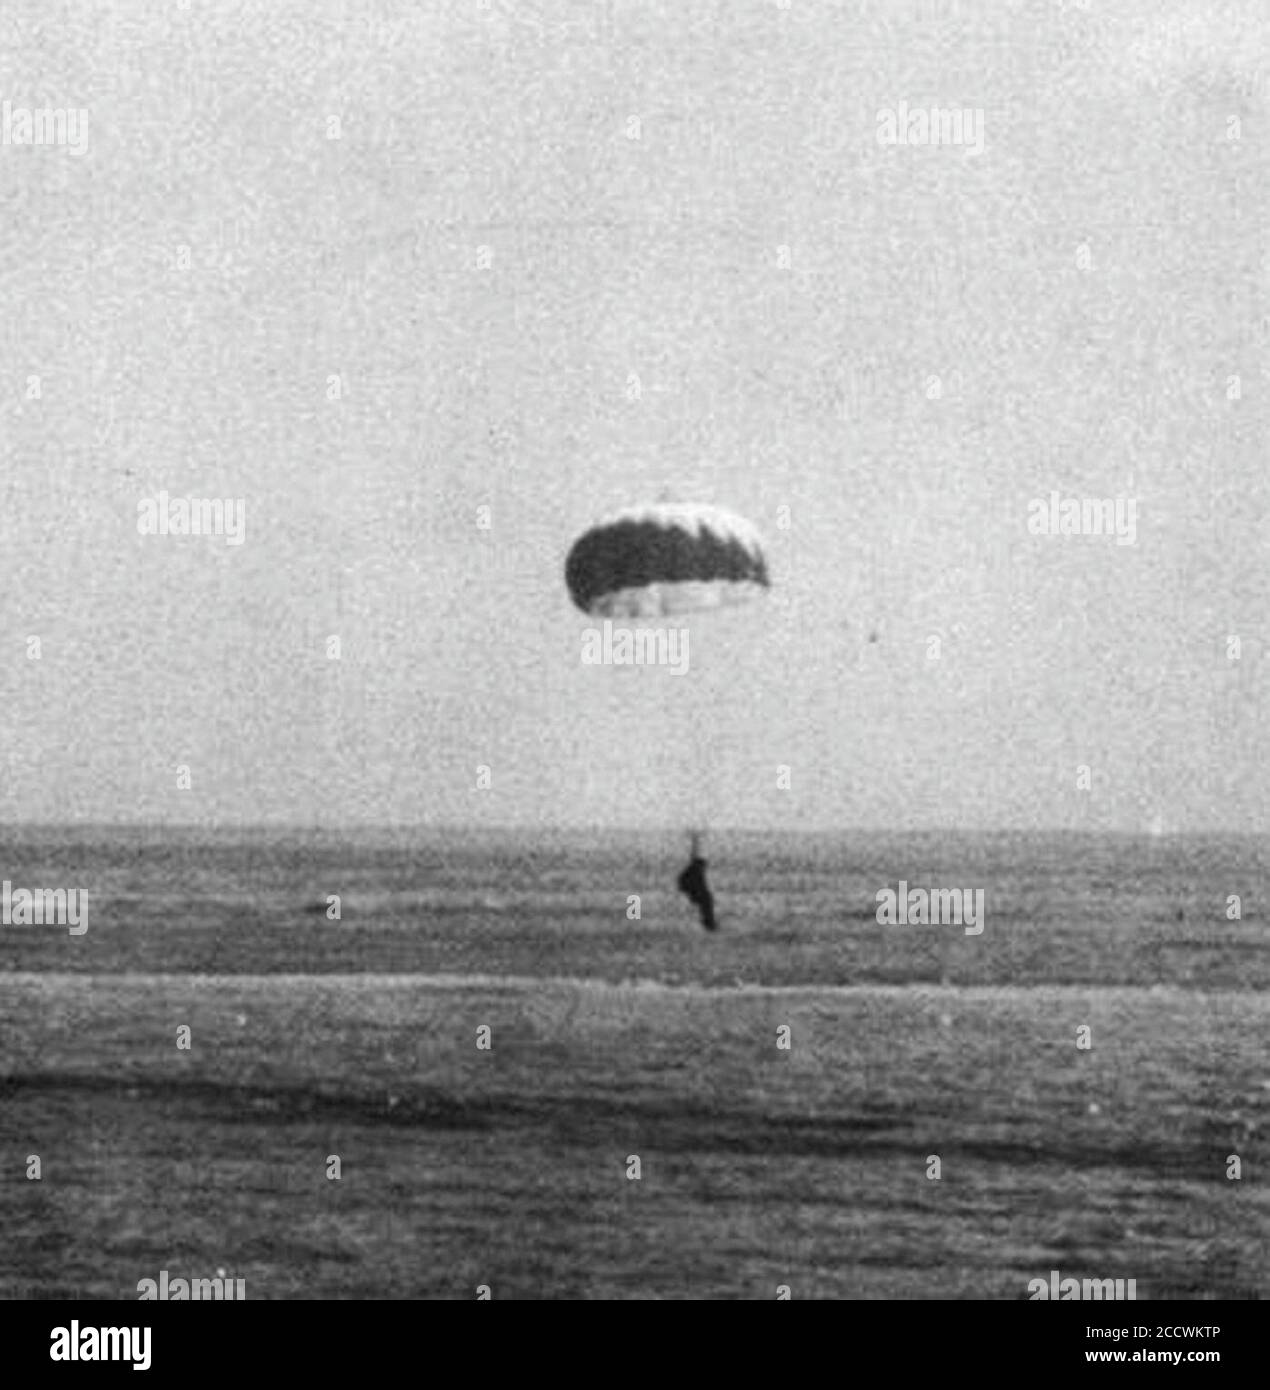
693 885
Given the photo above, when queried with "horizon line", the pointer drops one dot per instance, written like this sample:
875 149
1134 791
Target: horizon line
645 828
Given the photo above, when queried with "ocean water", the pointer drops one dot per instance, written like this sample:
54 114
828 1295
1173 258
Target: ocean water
614 1038
795 910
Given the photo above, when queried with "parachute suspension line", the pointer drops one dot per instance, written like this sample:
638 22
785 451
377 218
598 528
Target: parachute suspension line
697 722
684 760
704 728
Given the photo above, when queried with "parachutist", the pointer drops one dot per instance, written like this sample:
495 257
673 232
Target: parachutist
663 560
693 885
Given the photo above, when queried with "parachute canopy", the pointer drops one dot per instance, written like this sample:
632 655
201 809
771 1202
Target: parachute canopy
664 559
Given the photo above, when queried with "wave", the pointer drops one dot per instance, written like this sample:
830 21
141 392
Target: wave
535 983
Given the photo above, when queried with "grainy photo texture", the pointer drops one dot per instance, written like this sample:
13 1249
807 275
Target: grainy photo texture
634 650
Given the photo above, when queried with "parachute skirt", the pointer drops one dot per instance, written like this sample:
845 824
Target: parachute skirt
673 599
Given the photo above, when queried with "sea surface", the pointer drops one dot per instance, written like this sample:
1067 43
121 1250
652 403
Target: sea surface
619 1030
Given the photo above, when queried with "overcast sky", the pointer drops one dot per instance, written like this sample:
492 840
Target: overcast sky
1084 289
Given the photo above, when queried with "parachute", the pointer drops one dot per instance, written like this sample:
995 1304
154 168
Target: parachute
662 561
665 559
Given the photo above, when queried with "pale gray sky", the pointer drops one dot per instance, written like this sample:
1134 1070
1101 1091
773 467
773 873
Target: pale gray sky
467 383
